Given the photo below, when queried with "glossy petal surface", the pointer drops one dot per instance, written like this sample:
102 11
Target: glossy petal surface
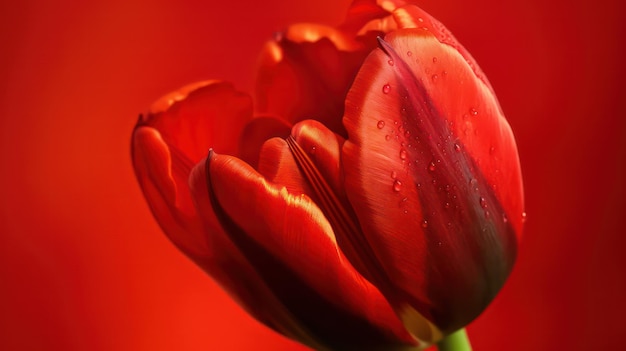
170 139
427 203
287 239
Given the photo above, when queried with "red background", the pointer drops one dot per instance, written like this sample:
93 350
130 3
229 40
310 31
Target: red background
83 266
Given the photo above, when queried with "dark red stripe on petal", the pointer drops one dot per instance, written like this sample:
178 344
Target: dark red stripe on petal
343 224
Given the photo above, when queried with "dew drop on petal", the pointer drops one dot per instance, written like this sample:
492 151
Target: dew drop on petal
473 184
434 78
505 219
397 185
380 124
394 175
435 59
409 53
523 217
387 137
431 166
483 202
386 89
403 154
390 62
457 147
473 111
492 150
424 224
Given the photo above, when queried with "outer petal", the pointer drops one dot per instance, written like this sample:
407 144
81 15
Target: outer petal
236 273
170 139
291 246
438 217
306 73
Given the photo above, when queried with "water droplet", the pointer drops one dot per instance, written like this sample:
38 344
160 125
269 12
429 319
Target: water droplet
492 150
380 124
523 217
457 147
420 20
386 89
394 175
387 137
434 59
431 166
473 111
446 205
505 219
434 78
483 202
408 53
473 184
407 133
397 185
390 62
424 224
444 73
403 154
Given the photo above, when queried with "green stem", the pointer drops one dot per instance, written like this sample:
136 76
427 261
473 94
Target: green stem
456 341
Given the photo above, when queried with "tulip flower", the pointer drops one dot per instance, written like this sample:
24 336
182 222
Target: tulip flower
369 196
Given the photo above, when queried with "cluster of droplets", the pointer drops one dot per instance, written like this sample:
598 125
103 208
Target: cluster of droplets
397 186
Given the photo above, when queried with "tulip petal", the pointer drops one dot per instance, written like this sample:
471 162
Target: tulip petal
306 74
278 165
427 204
170 139
292 247
256 132
371 15
227 265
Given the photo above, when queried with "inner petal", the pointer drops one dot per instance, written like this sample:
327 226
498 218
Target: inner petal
330 199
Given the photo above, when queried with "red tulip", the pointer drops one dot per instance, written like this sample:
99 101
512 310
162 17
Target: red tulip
370 199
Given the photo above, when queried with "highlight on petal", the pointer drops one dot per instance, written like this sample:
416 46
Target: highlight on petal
428 204
170 139
286 238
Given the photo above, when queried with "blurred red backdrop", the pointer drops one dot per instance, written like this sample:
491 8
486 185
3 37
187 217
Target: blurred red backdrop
83 266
